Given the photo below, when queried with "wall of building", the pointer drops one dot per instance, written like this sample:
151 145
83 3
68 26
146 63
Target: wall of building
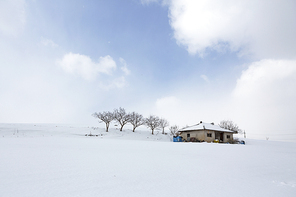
200 135
209 139
228 139
203 135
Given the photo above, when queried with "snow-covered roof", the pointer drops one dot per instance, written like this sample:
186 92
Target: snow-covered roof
207 126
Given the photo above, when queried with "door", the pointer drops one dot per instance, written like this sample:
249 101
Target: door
221 137
188 137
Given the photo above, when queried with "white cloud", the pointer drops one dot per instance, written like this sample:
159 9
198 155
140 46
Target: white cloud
119 82
168 107
204 77
264 73
12 16
124 67
148 1
83 65
264 98
264 29
166 102
48 42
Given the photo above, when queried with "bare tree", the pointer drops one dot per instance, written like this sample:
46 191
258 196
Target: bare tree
136 120
163 123
152 122
228 124
121 117
106 117
174 130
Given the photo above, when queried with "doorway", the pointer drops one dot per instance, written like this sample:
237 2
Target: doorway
221 137
188 137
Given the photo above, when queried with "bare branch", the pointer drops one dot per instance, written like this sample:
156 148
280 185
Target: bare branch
136 120
121 117
152 122
163 123
174 130
228 124
105 117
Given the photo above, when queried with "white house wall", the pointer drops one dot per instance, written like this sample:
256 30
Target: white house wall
202 135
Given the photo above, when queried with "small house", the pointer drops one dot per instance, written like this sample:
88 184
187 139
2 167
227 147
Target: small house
206 132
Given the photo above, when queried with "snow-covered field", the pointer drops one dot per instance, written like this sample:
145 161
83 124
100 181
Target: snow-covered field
59 160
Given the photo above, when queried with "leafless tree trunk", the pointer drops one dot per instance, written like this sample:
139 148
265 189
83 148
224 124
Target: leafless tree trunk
136 120
152 122
163 123
106 117
121 117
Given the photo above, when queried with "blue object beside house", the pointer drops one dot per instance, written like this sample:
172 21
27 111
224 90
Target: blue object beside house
177 139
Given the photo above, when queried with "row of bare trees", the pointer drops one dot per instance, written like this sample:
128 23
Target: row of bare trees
153 122
135 119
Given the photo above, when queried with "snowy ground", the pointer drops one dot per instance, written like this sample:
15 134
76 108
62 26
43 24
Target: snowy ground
58 160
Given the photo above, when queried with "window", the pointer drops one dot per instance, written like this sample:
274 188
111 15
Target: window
209 134
188 135
228 136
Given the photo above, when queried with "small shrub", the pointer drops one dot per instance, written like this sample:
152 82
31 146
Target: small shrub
193 139
233 141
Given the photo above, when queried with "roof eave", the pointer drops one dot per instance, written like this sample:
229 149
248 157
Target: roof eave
208 130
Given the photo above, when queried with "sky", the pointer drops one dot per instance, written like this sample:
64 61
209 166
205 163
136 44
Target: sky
183 60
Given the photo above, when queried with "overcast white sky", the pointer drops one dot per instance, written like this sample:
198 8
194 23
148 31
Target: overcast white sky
183 60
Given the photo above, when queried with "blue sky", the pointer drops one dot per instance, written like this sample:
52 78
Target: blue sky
184 60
